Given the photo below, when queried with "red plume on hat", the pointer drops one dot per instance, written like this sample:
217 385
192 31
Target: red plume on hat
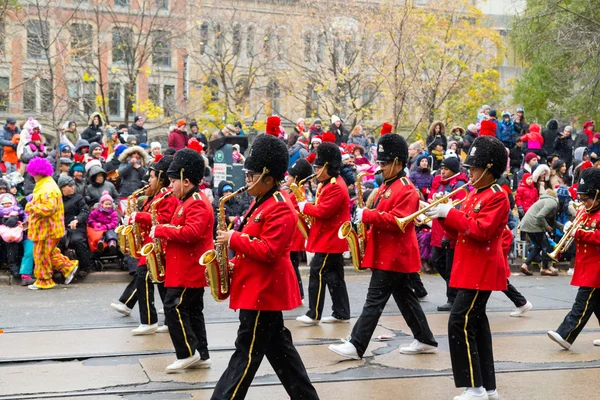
329 137
488 128
273 123
386 128
194 144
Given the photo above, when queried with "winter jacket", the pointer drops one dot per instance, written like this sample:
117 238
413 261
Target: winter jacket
75 208
298 147
440 137
506 133
563 147
341 133
6 139
103 220
14 211
527 195
422 179
140 133
94 191
178 139
535 141
131 177
313 131
360 140
550 134
10 152
594 148
541 214
234 207
516 157
348 174
468 139
93 133
31 150
581 140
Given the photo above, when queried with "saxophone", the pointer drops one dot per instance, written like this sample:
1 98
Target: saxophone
130 235
155 258
218 271
357 240
304 220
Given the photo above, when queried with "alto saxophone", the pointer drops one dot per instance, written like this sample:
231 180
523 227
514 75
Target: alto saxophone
357 240
155 258
304 220
218 271
131 233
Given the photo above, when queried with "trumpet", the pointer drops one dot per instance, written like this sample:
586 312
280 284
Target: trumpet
423 220
403 222
565 242
304 220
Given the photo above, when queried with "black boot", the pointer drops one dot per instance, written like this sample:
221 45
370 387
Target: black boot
445 307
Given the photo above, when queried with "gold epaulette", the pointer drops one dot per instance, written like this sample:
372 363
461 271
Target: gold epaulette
405 180
197 196
496 188
278 197
333 180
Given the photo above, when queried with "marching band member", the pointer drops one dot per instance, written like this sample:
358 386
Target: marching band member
586 274
187 237
299 171
158 183
479 268
263 282
330 210
391 254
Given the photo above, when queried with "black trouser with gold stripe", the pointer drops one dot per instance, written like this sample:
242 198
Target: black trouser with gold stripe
184 317
262 333
442 259
295 258
129 296
145 294
327 271
587 302
470 340
383 285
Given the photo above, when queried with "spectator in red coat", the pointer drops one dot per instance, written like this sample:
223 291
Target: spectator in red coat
178 138
527 194
588 130
488 128
534 139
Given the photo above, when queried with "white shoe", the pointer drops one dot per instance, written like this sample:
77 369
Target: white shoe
417 347
122 308
145 329
33 287
180 365
163 329
307 320
161 311
493 395
303 303
346 349
334 320
558 339
597 342
202 364
520 311
69 278
571 271
424 298
469 395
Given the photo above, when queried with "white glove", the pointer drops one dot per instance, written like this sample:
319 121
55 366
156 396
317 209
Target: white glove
437 196
439 211
423 203
567 226
301 206
132 218
152 232
359 214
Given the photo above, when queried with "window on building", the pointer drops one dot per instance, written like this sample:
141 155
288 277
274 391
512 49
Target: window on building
88 97
242 92
37 38
122 3
308 46
81 41
203 38
312 102
169 104
219 41
154 94
273 98
162 4
29 95
280 45
321 48
213 85
2 38
46 98
4 94
114 99
161 48
236 37
268 43
250 42
122 45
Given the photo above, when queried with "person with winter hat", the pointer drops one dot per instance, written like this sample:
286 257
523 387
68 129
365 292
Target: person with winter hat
82 151
316 129
437 132
10 144
105 219
506 130
96 151
588 131
98 185
550 134
178 138
594 147
527 194
134 163
46 227
11 230
330 210
534 139
93 133
469 137
35 148
137 129
338 129
421 176
155 150
69 134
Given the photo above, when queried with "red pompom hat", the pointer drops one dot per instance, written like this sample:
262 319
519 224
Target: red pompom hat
273 123
386 128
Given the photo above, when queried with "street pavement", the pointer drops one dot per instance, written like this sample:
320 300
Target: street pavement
68 343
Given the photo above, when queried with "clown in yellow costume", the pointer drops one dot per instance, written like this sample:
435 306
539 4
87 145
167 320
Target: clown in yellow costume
46 227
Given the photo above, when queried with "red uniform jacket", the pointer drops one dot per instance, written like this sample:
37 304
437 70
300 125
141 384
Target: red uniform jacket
388 248
446 186
479 262
298 240
330 211
587 255
263 275
187 237
164 213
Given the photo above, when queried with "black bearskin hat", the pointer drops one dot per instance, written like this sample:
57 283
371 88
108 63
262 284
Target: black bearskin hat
160 168
328 153
187 164
300 169
392 146
268 152
488 152
589 184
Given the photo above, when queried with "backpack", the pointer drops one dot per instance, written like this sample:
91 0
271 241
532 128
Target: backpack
293 158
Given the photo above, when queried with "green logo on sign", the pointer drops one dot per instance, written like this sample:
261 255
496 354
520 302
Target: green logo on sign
219 156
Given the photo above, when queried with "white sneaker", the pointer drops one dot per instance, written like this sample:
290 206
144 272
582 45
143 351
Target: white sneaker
145 329
303 303
346 349
417 347
493 395
334 320
202 364
122 308
558 339
180 365
597 342
161 311
571 271
33 287
520 311
162 329
69 278
305 319
424 298
469 395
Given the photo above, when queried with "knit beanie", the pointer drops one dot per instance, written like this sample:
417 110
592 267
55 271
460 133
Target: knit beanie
105 196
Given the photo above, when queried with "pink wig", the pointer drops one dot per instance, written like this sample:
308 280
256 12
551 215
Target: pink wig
40 166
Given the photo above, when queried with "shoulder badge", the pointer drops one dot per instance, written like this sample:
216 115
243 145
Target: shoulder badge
496 188
278 197
333 180
164 190
180 212
197 196
404 180
477 207
387 193
257 218
594 223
